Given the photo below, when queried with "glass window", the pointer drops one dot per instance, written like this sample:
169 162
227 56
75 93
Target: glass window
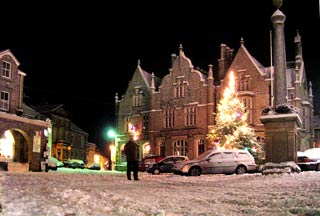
216 156
190 116
4 101
180 147
228 155
179 89
201 147
6 69
169 118
242 155
163 149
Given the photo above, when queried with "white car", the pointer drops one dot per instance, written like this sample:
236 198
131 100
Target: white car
221 161
54 163
309 159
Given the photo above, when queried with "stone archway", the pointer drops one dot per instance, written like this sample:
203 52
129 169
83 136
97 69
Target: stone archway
23 146
20 146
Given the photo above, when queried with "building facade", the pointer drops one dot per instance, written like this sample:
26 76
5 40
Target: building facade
68 140
23 137
173 115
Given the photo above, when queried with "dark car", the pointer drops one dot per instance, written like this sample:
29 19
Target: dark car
148 161
93 166
165 165
74 163
309 159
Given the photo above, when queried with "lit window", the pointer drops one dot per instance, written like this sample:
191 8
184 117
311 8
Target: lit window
145 124
180 147
247 102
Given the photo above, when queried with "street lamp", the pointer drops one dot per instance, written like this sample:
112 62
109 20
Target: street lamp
112 135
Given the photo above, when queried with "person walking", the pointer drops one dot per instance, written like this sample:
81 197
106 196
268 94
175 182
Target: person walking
131 151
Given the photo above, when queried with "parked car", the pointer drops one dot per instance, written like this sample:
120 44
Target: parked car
74 163
148 161
54 163
58 162
309 159
93 166
221 161
165 165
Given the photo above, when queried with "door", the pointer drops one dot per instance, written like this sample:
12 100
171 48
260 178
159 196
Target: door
212 164
229 162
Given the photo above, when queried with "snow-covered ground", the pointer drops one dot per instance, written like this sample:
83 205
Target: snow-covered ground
99 193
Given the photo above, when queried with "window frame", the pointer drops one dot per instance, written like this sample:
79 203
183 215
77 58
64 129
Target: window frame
6 72
4 102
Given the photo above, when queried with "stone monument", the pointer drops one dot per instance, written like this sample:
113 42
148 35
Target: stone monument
282 127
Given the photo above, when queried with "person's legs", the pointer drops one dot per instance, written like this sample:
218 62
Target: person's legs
129 167
135 170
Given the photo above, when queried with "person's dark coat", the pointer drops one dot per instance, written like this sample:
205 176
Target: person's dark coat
131 151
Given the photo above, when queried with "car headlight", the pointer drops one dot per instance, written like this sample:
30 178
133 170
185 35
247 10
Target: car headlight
185 168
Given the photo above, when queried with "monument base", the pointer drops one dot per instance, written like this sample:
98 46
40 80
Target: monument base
281 137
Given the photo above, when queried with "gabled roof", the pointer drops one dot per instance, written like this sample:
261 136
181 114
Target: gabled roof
76 128
58 109
8 52
147 77
29 112
255 62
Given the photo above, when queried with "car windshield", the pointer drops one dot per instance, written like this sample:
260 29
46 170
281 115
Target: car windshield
202 156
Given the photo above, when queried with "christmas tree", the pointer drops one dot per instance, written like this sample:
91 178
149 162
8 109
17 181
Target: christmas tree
231 130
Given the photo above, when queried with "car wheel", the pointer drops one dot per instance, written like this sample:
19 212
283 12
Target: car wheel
194 171
156 171
318 167
241 170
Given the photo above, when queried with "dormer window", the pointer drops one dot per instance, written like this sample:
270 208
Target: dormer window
179 90
6 69
243 82
137 97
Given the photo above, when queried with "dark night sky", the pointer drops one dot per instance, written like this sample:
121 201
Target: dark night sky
81 55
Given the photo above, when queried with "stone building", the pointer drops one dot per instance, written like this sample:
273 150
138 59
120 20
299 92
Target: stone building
23 138
174 114
68 140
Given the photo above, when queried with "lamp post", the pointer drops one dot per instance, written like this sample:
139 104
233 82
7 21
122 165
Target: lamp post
112 135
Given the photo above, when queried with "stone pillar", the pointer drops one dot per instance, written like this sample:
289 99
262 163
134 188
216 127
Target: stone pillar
279 55
281 137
